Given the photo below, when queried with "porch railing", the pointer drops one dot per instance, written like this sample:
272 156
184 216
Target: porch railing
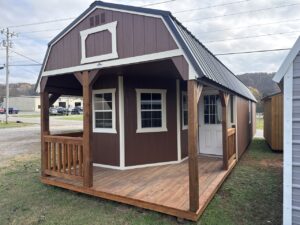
231 136
64 156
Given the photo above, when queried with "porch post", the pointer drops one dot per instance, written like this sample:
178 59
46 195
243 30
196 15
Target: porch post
44 98
194 91
87 130
224 101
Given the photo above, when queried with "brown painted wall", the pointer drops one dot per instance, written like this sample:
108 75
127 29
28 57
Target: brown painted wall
136 35
244 129
98 44
144 148
106 146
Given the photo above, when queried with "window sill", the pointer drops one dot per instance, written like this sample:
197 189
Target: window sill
184 127
151 130
105 131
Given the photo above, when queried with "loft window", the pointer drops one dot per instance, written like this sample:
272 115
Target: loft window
104 111
212 109
151 110
184 110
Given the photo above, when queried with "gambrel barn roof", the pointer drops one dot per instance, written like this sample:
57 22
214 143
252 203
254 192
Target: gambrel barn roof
206 66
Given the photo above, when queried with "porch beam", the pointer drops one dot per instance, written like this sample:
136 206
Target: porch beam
53 98
87 130
65 91
194 92
224 102
44 95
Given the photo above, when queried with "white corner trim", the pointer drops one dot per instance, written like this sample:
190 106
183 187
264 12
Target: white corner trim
106 166
112 28
287 147
105 130
139 166
121 121
288 61
235 99
116 62
163 127
178 119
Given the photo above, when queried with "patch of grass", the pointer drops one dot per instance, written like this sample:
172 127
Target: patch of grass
70 117
260 123
252 194
27 115
14 124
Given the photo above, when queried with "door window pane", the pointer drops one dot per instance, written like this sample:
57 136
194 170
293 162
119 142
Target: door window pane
211 109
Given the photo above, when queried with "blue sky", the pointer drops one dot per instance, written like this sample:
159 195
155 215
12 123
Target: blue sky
32 40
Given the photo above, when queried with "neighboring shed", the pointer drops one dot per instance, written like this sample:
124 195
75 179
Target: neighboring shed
288 76
273 120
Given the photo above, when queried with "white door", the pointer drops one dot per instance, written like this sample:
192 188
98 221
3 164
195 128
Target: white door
210 127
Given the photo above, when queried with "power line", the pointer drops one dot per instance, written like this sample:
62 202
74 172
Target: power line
239 13
211 6
158 3
25 64
252 36
256 25
250 52
26 57
71 18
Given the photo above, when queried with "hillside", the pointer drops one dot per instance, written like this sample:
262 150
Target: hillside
261 84
17 89
261 81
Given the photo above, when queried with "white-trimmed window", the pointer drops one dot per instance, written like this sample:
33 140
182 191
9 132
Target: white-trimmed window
104 111
151 110
184 110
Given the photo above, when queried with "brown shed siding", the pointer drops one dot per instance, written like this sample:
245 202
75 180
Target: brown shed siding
146 148
136 35
273 121
243 126
106 146
98 44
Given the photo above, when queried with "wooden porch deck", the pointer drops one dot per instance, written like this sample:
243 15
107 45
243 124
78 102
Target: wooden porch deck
163 188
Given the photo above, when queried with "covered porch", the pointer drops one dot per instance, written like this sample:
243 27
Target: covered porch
163 189
182 189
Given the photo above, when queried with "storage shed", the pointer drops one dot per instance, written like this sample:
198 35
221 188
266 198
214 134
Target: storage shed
273 121
154 97
288 77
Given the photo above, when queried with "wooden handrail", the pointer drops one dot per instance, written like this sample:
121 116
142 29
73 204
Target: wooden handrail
230 131
64 156
231 144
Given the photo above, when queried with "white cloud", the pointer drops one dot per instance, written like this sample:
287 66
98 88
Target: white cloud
34 45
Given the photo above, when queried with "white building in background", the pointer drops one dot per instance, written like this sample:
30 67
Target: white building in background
32 103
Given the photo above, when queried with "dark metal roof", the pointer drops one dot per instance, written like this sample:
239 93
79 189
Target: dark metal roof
206 65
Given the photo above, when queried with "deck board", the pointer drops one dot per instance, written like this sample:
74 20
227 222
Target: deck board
162 188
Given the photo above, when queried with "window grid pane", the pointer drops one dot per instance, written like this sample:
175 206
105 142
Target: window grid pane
103 111
211 109
151 110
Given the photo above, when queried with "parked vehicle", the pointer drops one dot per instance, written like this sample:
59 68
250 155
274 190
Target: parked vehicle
62 111
77 110
13 110
2 110
53 111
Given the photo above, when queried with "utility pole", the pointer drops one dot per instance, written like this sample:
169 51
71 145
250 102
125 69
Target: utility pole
7 44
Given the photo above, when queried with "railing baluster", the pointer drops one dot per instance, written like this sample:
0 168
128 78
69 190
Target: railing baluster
65 156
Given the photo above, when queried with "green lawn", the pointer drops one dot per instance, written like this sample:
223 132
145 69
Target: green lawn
252 194
27 115
13 124
70 117
260 123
